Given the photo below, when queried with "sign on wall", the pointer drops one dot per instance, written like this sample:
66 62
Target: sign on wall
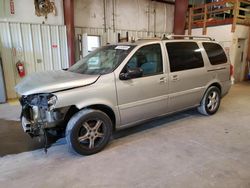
12 7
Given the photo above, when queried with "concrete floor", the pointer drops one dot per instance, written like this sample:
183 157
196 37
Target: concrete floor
182 150
13 139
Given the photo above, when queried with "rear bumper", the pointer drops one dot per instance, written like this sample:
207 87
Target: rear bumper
226 87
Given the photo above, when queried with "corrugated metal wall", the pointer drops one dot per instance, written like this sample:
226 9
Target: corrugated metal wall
40 47
110 36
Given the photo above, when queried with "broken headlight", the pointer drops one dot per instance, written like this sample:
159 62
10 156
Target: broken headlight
44 101
52 102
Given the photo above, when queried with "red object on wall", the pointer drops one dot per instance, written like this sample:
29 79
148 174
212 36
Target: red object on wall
20 69
69 22
231 70
180 12
12 7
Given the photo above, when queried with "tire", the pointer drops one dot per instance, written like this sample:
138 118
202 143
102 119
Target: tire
88 131
210 102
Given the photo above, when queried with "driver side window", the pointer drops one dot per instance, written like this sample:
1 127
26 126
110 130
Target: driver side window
148 58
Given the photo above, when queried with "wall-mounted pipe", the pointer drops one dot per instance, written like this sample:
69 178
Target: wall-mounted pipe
165 18
113 14
154 21
123 39
148 12
105 15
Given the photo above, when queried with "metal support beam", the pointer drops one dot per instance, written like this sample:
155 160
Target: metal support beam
180 12
69 22
171 2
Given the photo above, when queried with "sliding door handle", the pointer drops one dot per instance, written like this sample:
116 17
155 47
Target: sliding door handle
175 78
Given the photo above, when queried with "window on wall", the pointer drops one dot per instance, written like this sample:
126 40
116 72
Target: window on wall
184 56
215 52
93 43
149 59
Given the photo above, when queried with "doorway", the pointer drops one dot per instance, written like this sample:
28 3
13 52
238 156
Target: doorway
90 43
240 61
2 84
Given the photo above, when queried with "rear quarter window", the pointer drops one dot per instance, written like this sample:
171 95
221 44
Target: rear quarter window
215 53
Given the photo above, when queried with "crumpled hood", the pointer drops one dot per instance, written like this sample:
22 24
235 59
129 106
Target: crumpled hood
51 81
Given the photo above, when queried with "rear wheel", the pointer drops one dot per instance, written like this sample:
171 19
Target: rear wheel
88 131
210 102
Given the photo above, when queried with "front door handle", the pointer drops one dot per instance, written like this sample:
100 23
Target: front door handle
163 80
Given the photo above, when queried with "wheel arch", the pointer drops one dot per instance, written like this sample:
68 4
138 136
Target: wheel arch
107 110
104 108
216 84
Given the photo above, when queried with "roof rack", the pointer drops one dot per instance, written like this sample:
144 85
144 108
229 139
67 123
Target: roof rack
150 38
190 37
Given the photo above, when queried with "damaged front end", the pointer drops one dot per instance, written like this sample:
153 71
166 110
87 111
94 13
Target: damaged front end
39 113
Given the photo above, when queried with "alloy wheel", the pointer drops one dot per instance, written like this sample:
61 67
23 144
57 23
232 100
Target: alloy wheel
91 134
212 101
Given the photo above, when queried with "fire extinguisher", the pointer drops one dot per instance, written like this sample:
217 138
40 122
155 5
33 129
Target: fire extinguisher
20 69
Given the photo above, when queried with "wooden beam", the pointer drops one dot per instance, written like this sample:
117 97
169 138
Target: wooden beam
221 10
236 13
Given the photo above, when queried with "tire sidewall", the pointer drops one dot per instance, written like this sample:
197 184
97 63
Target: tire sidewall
75 124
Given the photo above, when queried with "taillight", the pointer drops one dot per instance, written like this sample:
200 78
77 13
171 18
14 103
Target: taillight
231 70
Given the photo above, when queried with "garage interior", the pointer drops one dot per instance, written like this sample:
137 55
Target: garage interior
181 150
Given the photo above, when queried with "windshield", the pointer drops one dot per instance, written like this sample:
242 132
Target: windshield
103 60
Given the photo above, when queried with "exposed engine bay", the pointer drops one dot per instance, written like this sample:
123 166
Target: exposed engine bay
39 113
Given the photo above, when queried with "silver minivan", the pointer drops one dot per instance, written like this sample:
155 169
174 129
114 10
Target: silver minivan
121 85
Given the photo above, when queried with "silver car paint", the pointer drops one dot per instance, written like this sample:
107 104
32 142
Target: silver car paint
45 82
142 98
102 92
136 100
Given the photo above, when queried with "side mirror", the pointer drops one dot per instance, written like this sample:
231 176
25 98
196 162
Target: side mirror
131 73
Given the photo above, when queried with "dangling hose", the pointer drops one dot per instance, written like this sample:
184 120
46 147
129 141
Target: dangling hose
45 141
44 135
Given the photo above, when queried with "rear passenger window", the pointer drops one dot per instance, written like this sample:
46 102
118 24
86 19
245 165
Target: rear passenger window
215 52
184 56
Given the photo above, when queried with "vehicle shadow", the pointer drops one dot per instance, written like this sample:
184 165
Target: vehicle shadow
156 122
13 140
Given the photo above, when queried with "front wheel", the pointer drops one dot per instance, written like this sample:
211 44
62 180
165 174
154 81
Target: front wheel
88 131
210 102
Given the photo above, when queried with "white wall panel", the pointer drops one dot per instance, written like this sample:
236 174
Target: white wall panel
39 47
30 66
55 48
46 42
139 15
110 36
63 48
6 52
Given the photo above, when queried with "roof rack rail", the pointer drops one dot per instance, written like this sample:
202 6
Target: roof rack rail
150 38
169 37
